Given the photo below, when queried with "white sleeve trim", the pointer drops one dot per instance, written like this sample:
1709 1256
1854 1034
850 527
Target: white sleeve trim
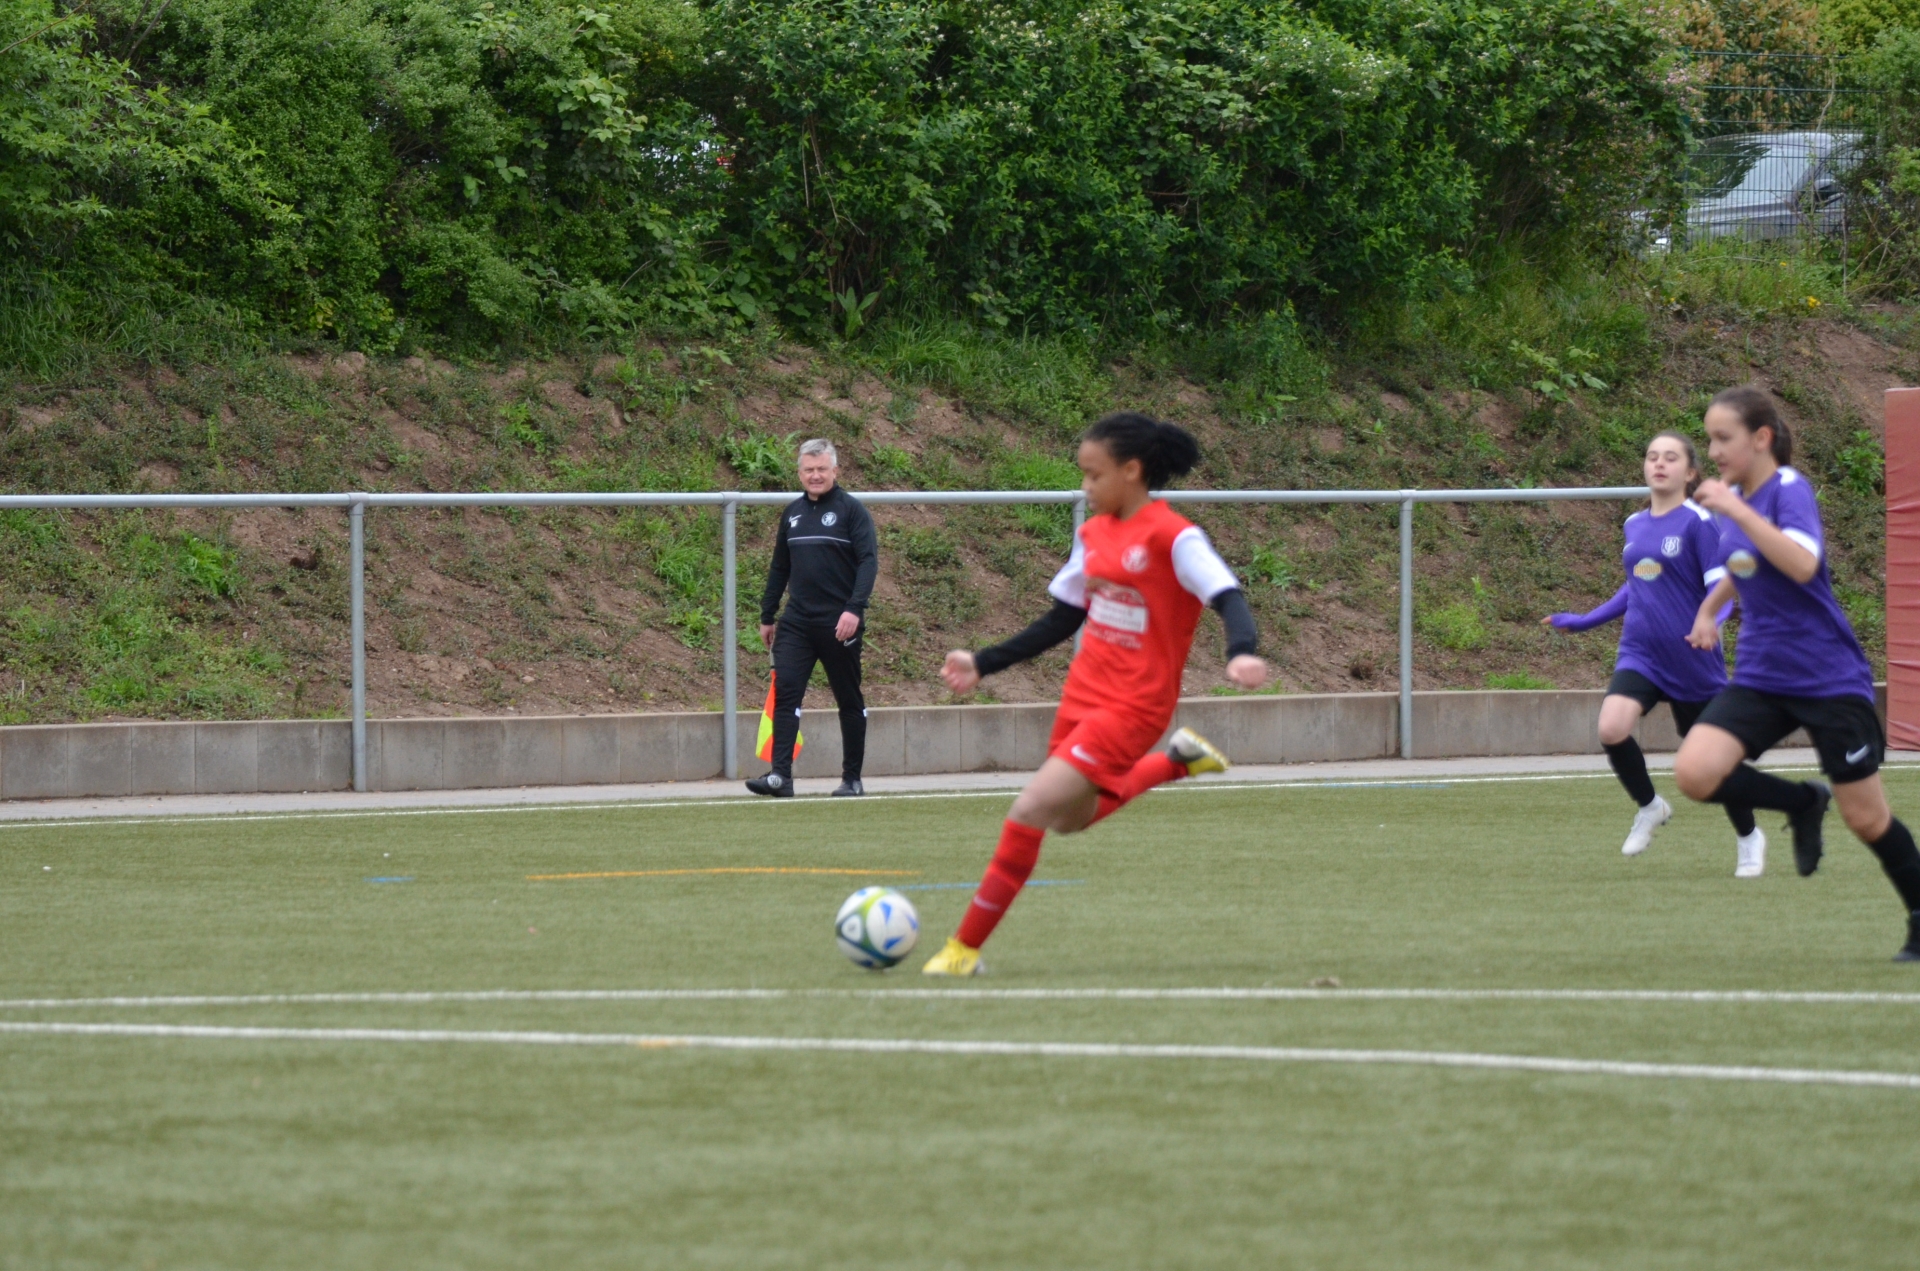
1714 575
1698 511
1805 540
1199 568
1069 586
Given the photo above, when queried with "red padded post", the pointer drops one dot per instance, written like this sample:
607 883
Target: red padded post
1903 568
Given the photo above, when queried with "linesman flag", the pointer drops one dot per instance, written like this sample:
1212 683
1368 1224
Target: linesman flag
764 749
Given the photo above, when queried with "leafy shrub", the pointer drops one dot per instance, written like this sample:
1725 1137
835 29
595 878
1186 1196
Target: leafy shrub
762 460
1854 25
1270 566
1454 626
379 172
207 566
1862 464
1884 207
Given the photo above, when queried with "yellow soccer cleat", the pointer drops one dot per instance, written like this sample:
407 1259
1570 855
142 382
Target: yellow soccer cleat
1195 751
955 959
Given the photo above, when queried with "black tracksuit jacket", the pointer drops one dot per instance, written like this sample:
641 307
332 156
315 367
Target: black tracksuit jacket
826 556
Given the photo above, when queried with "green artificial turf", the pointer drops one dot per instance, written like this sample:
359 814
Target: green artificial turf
132 1152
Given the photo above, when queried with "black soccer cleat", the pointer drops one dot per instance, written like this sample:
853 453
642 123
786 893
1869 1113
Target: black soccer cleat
849 788
1911 952
773 785
1807 847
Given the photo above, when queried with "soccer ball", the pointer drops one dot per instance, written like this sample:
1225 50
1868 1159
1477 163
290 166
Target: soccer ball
876 927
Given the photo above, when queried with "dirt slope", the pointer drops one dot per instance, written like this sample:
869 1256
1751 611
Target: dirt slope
202 614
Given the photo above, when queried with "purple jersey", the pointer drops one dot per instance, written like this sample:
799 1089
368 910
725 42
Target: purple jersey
1670 568
1794 639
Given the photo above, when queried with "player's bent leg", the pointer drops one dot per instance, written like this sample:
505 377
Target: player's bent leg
1058 797
1707 757
1863 806
1619 714
1188 754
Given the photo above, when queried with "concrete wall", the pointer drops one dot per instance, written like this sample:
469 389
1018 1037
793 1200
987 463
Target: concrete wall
54 761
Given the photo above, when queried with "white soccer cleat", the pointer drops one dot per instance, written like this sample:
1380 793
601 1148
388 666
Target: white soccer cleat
1751 858
1645 822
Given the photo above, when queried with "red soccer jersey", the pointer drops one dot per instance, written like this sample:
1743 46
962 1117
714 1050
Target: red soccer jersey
1142 582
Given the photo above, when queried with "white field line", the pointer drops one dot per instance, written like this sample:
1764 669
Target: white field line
666 804
658 805
630 805
431 997
1000 1049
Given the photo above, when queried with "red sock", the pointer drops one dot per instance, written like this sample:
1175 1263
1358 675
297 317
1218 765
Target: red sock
1012 862
1156 769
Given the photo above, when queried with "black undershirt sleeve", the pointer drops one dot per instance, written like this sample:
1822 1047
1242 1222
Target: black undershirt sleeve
1057 624
1234 612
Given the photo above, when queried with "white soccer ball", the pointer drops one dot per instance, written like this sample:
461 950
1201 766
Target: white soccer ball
876 927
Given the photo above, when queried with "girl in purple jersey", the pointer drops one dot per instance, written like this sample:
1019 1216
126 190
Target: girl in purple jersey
1798 664
1670 565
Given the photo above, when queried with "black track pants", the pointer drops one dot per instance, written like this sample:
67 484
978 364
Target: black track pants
795 649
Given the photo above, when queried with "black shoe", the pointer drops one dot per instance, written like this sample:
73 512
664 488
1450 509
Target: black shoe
1807 848
849 788
1911 953
773 784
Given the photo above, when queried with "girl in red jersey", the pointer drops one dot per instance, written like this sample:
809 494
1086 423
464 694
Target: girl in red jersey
1137 579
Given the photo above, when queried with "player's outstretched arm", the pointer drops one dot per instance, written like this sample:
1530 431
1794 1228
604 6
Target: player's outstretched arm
1610 609
1056 625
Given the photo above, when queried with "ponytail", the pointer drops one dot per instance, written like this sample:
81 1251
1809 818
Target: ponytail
1164 450
1755 409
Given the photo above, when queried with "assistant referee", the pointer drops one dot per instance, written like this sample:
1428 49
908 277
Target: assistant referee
825 558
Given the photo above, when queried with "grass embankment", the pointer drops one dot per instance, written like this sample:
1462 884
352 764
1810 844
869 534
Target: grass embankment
324 1151
1527 380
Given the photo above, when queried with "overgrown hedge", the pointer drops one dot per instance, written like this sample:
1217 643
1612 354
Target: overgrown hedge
394 171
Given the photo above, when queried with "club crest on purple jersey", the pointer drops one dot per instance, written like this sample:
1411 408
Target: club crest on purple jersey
1670 545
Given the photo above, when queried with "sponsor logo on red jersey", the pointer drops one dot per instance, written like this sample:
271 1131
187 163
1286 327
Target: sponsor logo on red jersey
1115 613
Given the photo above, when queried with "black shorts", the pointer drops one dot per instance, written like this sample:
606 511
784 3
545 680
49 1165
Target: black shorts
1845 730
1649 695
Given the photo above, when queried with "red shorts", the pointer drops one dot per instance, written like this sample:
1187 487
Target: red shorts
1103 744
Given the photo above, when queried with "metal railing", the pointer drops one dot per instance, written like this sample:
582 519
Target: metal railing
729 503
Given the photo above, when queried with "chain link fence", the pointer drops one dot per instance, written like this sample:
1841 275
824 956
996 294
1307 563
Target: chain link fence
1777 136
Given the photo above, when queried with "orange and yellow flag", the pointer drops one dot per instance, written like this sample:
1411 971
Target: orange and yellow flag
764 748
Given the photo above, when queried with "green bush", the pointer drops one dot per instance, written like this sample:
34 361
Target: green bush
382 172
1516 680
1454 626
1854 25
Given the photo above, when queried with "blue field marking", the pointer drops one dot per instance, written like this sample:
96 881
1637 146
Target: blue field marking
394 879
1031 882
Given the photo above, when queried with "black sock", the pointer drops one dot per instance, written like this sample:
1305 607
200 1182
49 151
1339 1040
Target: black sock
1747 786
1901 861
1742 817
1631 767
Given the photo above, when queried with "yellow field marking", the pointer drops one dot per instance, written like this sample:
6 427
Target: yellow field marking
728 869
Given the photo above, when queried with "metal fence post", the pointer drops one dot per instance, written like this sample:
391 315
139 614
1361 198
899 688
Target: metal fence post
730 639
1406 624
357 592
